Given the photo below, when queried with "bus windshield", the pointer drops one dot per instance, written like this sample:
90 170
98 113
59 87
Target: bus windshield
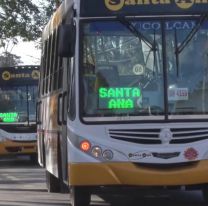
18 93
187 68
18 103
123 76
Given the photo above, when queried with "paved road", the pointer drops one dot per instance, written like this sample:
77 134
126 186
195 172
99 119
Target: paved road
23 184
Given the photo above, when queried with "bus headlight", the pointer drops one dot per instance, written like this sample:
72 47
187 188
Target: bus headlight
96 151
108 155
99 152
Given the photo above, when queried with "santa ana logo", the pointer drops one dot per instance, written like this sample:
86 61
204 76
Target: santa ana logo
184 4
114 5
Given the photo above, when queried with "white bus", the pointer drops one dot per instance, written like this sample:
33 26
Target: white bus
18 96
124 96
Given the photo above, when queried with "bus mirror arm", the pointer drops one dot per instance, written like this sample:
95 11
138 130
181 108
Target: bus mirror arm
67 35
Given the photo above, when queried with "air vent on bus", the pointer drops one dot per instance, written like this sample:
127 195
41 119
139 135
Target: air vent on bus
152 136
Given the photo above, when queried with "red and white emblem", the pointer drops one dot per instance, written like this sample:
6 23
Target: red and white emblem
191 154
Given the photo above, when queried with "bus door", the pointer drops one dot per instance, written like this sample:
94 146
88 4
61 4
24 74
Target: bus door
40 140
62 122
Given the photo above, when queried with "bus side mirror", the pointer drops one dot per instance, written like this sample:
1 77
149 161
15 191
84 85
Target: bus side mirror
67 39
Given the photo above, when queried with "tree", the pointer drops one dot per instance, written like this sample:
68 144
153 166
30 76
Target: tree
6 56
24 19
8 59
19 18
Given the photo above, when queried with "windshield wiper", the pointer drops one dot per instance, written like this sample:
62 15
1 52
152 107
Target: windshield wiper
185 42
189 37
136 33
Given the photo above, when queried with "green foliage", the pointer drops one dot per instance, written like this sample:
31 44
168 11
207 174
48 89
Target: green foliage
24 19
7 59
19 18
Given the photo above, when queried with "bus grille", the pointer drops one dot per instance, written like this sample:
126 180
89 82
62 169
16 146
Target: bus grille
151 136
12 128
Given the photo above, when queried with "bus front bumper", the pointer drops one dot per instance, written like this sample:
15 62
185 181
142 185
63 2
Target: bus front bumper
95 174
18 147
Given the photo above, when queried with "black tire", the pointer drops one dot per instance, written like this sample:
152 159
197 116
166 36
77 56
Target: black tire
52 183
205 194
80 196
34 158
64 189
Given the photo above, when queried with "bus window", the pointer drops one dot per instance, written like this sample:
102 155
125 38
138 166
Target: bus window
136 64
187 69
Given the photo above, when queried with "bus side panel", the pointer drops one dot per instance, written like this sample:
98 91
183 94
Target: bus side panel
51 149
51 133
40 133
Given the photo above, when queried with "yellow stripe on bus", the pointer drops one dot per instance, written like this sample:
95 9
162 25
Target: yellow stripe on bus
134 175
9 147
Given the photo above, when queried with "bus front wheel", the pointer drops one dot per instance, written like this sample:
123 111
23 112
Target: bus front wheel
205 193
80 196
34 158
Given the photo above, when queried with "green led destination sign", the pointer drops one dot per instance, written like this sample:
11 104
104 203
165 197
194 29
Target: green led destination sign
119 97
8 117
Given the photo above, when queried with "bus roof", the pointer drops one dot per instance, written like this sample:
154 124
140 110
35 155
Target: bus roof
125 8
57 18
